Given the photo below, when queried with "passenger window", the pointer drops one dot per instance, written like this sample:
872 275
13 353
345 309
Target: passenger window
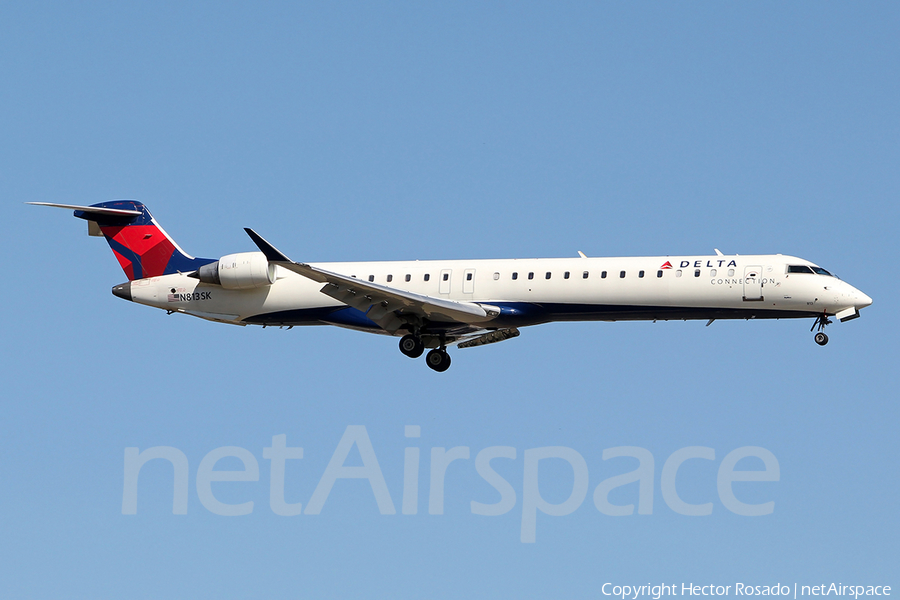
515 275
603 275
390 278
659 273
531 275
446 276
468 277
731 272
640 273
621 274
678 273
547 276
408 277
696 272
427 276
566 275
371 278
712 273
496 276
584 275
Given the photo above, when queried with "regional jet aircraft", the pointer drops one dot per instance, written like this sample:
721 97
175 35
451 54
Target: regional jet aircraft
436 304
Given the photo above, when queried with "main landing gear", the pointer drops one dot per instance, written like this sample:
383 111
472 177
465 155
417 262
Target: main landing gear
411 346
437 359
821 321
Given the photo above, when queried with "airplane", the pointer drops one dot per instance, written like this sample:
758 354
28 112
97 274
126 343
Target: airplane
439 303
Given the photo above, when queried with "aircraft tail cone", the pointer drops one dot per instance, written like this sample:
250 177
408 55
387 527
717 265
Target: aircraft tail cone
123 291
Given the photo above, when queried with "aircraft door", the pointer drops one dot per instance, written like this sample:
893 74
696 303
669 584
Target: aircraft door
444 287
469 281
753 284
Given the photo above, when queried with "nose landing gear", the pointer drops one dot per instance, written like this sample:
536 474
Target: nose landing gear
821 321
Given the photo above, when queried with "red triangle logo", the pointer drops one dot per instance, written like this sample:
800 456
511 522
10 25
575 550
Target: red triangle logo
667 265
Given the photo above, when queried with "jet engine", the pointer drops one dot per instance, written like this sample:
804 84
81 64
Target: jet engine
241 271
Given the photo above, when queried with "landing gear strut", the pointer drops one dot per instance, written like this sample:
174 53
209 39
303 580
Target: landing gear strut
821 322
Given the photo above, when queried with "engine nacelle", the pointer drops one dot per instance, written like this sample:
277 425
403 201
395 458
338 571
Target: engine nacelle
241 271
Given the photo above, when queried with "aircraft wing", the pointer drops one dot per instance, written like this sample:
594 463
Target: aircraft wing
384 305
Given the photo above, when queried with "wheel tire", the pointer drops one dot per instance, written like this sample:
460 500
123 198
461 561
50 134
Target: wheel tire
411 346
438 360
821 339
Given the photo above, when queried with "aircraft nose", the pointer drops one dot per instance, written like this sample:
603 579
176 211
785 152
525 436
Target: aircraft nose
859 299
123 291
863 300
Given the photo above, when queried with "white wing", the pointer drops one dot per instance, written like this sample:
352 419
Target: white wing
390 307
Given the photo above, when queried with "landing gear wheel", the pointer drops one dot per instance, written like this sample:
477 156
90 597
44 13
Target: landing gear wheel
438 360
411 346
820 322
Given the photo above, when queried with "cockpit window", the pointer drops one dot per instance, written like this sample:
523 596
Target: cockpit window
808 269
799 269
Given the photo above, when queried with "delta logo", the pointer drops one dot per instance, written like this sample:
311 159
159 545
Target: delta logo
699 263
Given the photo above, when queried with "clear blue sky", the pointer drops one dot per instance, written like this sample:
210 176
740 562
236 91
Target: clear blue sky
454 130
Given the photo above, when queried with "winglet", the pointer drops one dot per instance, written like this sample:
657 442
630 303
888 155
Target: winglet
272 253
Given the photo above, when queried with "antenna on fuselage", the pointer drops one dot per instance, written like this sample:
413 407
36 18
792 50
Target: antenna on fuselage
581 254
718 253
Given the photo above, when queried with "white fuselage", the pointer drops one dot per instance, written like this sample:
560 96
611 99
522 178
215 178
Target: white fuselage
467 303
530 291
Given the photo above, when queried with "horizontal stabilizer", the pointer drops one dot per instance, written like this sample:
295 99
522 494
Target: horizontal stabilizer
95 210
